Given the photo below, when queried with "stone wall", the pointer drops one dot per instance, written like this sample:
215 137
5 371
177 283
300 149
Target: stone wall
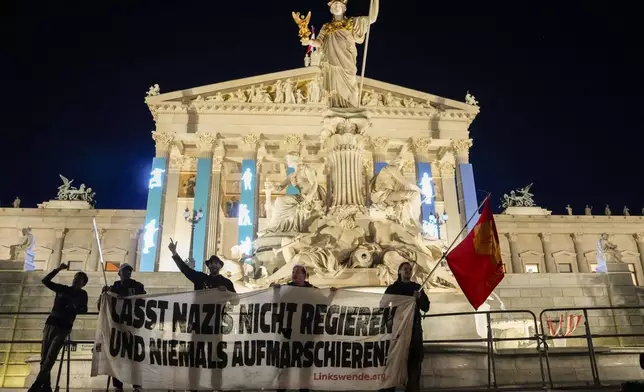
23 291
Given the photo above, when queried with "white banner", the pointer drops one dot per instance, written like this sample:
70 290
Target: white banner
286 338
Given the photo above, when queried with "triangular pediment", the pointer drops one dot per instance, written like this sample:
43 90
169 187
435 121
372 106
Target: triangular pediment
114 251
262 90
530 253
564 253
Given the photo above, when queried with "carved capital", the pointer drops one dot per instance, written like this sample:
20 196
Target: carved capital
367 165
380 144
206 142
217 163
60 233
293 144
163 142
420 147
446 168
545 237
250 144
461 150
577 237
512 237
134 233
639 237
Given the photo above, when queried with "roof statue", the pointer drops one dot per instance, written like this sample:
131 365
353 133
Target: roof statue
67 192
518 198
337 40
470 100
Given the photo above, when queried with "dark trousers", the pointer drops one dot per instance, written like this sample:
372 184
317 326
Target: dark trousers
53 339
116 383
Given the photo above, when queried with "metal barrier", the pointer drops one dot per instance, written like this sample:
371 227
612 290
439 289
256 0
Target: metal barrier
588 335
541 340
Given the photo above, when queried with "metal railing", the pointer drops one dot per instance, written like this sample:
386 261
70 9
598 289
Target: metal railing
540 337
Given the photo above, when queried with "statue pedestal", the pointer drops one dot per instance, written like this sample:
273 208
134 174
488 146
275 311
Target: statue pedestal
66 205
527 211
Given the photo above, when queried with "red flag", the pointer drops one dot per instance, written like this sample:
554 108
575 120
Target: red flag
476 261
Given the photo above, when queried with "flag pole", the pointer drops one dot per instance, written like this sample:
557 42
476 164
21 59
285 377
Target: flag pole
364 55
100 251
454 242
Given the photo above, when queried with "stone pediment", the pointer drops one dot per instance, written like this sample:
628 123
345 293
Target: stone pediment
76 250
530 253
300 93
114 251
564 253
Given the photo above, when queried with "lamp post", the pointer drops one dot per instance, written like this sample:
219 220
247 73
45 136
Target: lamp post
193 220
439 220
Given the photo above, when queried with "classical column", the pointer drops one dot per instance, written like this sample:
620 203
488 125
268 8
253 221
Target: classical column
380 146
424 178
153 227
517 266
293 144
206 144
59 244
346 152
582 264
170 201
551 266
465 182
450 198
94 260
214 209
639 240
133 247
248 193
367 167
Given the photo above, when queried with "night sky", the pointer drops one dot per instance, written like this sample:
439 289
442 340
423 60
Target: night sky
560 86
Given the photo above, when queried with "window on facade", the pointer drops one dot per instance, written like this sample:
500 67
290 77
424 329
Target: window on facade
75 265
111 266
593 267
532 268
565 268
631 267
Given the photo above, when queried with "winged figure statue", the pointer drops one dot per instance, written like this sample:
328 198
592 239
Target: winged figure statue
303 24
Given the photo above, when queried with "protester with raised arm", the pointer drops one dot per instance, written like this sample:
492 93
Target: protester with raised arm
201 280
404 286
124 287
69 302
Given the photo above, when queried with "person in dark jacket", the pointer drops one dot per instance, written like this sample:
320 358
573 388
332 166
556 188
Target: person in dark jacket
125 287
69 302
201 280
404 286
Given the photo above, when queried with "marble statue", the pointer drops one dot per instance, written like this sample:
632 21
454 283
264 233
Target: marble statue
392 192
292 213
588 211
67 192
219 97
606 253
154 90
393 102
607 211
410 103
315 93
372 98
299 97
627 211
289 95
519 198
16 202
470 100
338 40
569 209
260 95
278 89
28 244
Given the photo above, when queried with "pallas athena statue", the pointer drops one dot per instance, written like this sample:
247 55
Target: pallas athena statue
338 40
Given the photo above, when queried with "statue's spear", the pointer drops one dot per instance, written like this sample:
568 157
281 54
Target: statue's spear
364 55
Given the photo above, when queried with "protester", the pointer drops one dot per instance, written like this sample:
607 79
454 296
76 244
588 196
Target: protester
201 280
124 288
299 277
69 302
404 286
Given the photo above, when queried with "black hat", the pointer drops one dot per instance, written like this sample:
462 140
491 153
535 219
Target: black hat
214 259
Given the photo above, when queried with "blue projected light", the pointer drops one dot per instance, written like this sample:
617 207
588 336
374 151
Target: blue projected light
469 193
151 230
247 204
379 166
290 189
427 191
202 190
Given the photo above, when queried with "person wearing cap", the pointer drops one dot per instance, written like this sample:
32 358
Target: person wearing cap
200 280
124 287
